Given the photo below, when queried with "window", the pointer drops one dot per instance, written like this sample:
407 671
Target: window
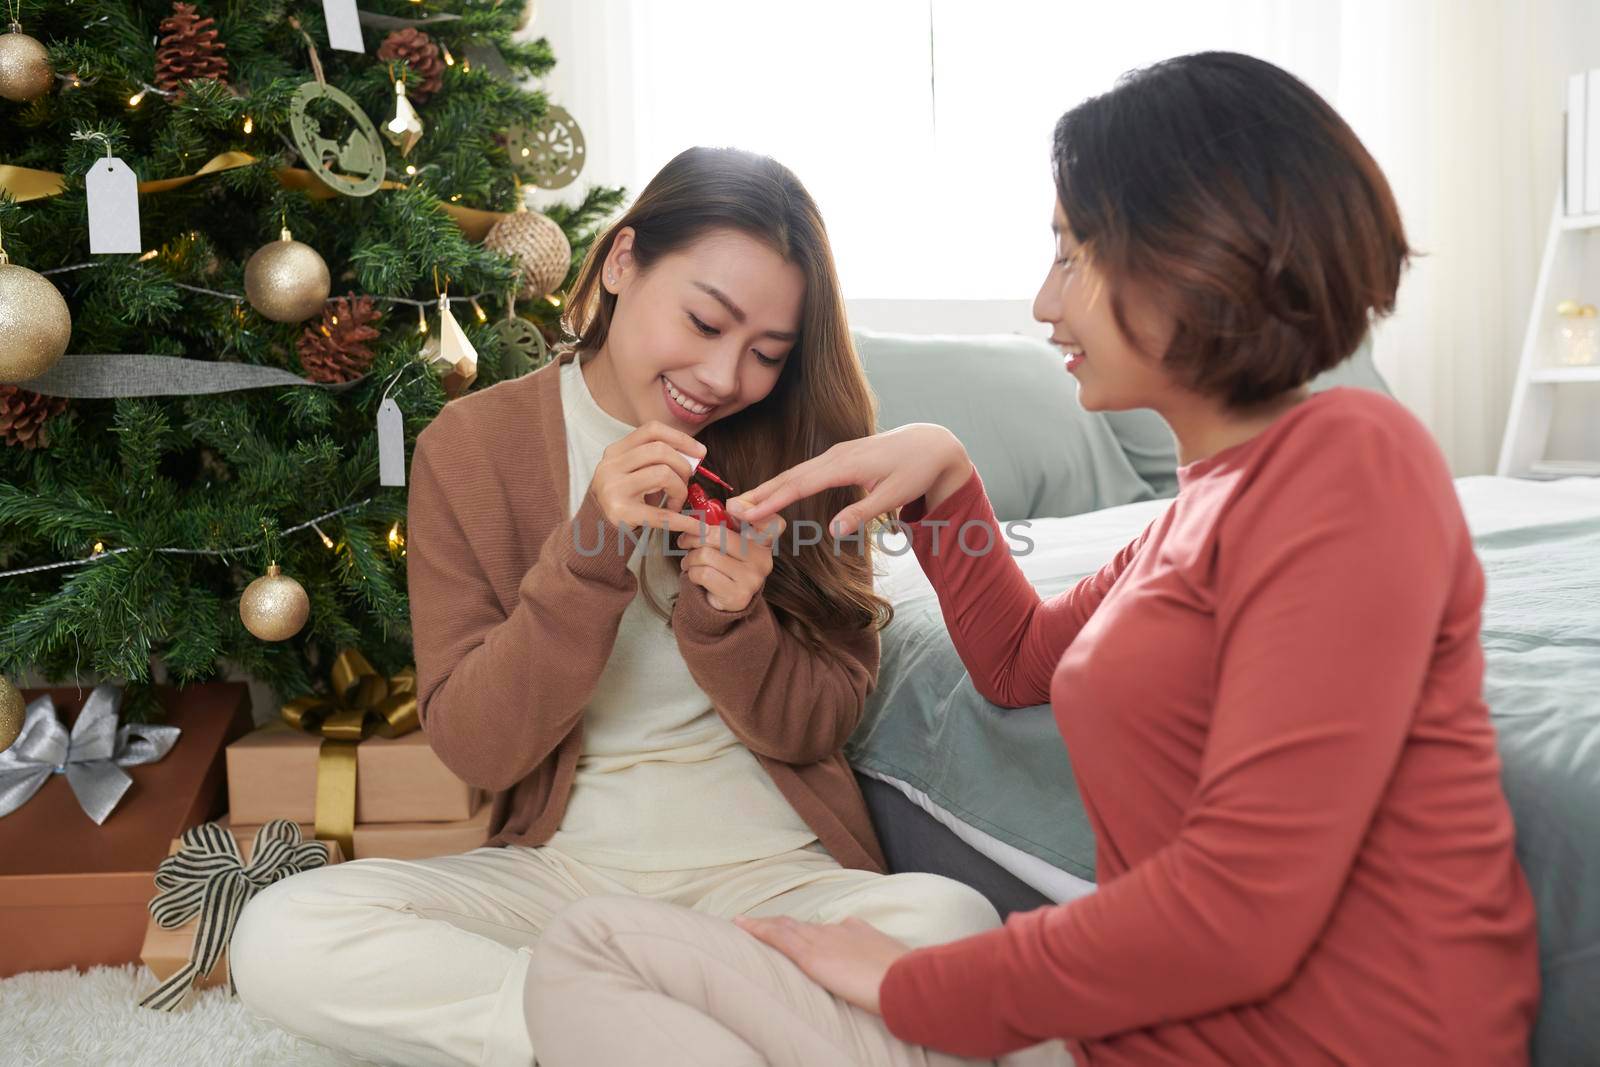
922 127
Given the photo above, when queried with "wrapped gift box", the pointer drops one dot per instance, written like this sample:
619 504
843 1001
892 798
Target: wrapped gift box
272 774
421 840
74 894
165 951
411 840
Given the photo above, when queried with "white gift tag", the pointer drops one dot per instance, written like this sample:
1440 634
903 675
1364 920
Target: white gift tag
391 444
344 25
113 194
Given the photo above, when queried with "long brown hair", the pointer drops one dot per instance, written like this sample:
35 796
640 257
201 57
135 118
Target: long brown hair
821 396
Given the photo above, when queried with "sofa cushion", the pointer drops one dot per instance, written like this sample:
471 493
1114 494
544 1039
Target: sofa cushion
1010 402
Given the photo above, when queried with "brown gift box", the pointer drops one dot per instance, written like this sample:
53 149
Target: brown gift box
73 894
272 774
165 951
411 840
421 840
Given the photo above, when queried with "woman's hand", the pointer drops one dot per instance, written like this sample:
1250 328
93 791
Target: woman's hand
731 565
894 468
848 959
642 465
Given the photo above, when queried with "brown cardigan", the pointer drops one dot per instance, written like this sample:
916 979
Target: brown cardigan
513 626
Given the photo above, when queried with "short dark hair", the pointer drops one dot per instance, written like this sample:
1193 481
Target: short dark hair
1235 196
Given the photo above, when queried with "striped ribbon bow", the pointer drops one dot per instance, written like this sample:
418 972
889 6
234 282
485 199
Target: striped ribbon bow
208 877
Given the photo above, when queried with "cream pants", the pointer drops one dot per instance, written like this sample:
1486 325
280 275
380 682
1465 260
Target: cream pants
427 961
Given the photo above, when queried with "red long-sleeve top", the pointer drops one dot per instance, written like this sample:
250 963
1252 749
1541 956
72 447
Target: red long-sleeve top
1273 704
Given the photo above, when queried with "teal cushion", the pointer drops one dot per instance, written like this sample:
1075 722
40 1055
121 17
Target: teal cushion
1008 399
1148 442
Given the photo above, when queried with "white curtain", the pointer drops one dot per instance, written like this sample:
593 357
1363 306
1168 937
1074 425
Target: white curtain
1460 102
922 128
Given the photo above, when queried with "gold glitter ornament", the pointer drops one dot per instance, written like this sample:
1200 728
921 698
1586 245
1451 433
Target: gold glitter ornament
24 66
35 324
13 709
274 607
286 281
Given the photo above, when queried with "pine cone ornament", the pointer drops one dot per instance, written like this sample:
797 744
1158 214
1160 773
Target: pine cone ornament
422 60
23 414
335 349
189 49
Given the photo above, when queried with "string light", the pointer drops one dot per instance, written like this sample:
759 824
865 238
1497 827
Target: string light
327 542
249 124
422 320
334 317
411 168
555 299
133 101
148 256
449 60
455 197
478 308
100 550
396 538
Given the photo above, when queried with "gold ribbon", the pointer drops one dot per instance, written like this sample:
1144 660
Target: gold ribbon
25 183
363 703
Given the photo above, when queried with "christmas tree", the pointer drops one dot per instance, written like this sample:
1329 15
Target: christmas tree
216 410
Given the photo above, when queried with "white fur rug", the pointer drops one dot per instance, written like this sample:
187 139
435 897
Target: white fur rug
60 1018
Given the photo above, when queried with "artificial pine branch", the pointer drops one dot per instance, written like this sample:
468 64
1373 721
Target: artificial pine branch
212 472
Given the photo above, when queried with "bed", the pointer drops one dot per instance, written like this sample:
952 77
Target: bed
999 782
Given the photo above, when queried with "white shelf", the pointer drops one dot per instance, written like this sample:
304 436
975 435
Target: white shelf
1561 468
1557 375
1570 265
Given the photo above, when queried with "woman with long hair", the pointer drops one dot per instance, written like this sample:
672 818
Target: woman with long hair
657 708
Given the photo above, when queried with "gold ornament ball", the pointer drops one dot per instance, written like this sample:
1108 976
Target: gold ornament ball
286 280
24 68
13 709
35 324
540 248
274 606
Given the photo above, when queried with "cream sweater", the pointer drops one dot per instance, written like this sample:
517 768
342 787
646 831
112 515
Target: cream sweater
662 783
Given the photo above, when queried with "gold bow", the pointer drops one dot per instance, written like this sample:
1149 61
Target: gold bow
363 703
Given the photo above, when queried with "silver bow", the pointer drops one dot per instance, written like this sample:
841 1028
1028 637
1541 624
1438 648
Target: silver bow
92 756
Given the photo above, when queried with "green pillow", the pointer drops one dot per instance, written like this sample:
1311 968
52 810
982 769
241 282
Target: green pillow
1012 404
